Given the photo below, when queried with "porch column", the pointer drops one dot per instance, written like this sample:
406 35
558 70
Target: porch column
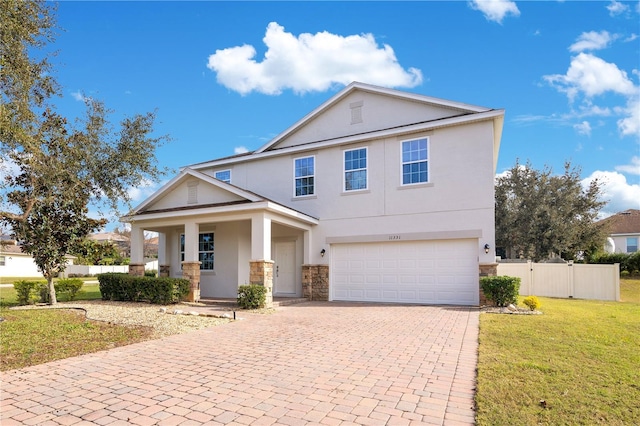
261 265
191 264
164 267
486 270
136 264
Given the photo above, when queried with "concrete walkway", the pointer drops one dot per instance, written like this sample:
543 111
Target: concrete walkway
309 363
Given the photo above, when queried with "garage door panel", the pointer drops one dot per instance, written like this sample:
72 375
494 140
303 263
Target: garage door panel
426 272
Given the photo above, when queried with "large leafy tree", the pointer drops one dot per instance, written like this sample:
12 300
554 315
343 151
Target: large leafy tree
54 170
540 214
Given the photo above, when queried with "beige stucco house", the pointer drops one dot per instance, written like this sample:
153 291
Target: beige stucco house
377 195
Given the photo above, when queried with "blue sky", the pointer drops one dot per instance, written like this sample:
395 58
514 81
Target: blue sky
226 77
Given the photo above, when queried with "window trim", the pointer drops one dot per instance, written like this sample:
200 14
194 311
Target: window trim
181 243
402 162
215 175
295 178
344 170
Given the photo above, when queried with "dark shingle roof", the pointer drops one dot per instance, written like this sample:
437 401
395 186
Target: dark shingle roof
626 222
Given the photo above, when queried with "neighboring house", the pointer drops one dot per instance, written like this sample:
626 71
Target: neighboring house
15 263
377 195
121 242
624 231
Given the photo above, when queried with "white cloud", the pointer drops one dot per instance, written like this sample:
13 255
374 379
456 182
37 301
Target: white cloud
632 169
78 96
617 8
592 76
619 194
630 125
583 128
495 10
142 191
240 150
592 41
309 62
632 37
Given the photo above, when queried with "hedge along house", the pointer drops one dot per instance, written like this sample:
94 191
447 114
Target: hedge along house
377 195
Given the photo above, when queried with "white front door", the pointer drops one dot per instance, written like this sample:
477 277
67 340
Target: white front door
285 268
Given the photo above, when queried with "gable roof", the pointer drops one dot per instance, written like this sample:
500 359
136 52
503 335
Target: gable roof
460 113
245 200
626 222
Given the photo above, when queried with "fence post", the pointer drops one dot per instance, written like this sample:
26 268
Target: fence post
616 280
571 289
530 286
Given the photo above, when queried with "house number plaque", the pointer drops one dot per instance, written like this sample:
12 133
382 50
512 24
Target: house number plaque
394 237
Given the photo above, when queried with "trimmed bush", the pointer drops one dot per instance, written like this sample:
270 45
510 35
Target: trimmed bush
28 292
252 296
531 302
629 262
129 288
501 290
150 273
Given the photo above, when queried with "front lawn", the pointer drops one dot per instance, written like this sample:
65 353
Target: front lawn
578 363
30 337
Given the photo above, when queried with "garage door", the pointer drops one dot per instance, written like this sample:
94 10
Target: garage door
425 272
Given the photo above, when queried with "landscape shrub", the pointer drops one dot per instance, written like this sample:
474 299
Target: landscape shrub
629 262
252 296
501 290
28 292
68 288
125 287
150 273
531 302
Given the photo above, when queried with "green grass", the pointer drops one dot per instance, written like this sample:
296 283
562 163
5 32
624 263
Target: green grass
31 337
582 357
11 280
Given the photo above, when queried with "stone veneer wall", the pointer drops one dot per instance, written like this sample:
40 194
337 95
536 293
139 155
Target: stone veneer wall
191 272
487 270
136 269
315 282
165 271
261 273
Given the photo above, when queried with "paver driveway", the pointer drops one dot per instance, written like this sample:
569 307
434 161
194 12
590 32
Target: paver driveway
311 363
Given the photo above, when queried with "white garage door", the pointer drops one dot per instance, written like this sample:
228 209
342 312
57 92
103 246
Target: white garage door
425 272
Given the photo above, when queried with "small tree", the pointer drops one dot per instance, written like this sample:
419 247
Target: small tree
58 169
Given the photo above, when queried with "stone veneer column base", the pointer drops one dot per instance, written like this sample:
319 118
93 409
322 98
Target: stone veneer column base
487 270
191 272
315 282
136 269
261 273
165 271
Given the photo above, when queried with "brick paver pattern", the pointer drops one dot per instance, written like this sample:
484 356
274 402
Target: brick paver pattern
310 363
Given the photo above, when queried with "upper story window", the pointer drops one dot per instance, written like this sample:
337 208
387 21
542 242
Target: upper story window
205 250
632 244
414 161
355 169
304 175
224 175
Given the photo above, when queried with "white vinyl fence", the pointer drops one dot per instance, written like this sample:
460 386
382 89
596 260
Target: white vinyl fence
101 269
566 280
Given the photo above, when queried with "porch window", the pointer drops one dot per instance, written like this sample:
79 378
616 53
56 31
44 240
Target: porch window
355 169
632 245
205 250
414 162
304 170
224 175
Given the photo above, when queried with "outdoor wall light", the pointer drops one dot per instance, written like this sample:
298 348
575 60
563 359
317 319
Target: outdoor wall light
322 252
486 248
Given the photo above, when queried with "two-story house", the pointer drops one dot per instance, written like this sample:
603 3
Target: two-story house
377 195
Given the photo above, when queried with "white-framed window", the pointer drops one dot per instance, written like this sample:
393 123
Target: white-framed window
355 169
205 250
632 244
304 176
223 175
415 161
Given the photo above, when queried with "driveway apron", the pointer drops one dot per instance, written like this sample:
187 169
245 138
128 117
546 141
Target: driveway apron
310 363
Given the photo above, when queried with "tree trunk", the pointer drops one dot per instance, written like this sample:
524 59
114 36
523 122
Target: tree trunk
52 290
